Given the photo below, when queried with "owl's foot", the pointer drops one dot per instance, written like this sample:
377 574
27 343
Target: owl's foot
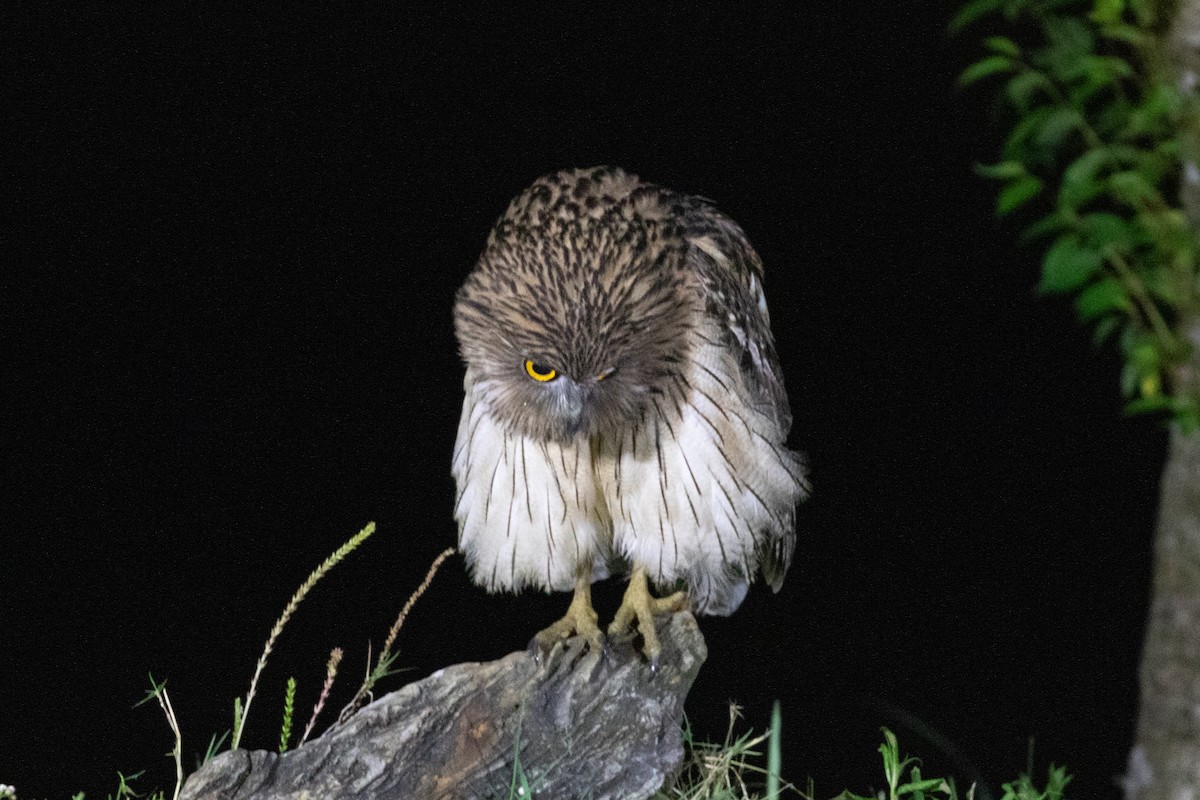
580 620
638 604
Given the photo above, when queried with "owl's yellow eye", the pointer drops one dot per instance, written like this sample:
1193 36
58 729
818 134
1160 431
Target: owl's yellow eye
539 372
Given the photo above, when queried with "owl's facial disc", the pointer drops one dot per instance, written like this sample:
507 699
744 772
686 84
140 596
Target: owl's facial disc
577 315
570 402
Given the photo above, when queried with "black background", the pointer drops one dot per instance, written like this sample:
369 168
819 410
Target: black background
236 242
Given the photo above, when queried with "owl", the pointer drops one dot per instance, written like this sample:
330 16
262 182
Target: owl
624 408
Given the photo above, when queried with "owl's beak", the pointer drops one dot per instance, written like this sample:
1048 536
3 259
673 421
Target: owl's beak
574 400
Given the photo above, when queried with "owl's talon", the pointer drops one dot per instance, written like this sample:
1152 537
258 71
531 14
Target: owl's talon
640 606
580 620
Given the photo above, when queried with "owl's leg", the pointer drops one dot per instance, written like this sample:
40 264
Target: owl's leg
639 604
580 620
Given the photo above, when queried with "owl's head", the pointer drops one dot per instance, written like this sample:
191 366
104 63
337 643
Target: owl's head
575 319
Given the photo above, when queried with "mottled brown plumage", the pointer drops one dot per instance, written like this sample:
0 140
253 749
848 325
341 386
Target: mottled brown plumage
624 404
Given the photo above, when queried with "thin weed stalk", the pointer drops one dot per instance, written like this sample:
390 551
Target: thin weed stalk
242 709
158 691
386 656
331 668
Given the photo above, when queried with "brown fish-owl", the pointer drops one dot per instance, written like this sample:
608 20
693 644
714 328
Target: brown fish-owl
625 410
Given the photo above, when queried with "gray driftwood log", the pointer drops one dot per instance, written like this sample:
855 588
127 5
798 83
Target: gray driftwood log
591 724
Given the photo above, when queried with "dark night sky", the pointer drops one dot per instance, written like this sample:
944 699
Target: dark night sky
236 242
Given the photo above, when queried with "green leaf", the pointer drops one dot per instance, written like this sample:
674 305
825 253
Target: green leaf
1105 327
1155 114
985 67
1068 264
1133 189
1149 405
1023 86
1107 12
1165 224
1058 124
1107 232
1124 32
1094 74
1105 296
973 11
1112 69
1129 380
1046 226
1112 65
1184 260
1070 40
1169 148
1057 781
1161 284
1143 10
1079 183
925 785
1017 193
1142 354
1003 45
1015 144
1002 171
1085 167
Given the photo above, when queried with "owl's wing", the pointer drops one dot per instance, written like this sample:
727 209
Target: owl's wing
732 274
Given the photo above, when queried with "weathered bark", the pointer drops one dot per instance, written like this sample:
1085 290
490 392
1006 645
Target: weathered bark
591 724
1165 761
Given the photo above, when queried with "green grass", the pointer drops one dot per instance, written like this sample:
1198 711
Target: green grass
731 769
734 770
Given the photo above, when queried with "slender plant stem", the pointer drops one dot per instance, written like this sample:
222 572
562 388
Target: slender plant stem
304 589
1137 288
385 655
